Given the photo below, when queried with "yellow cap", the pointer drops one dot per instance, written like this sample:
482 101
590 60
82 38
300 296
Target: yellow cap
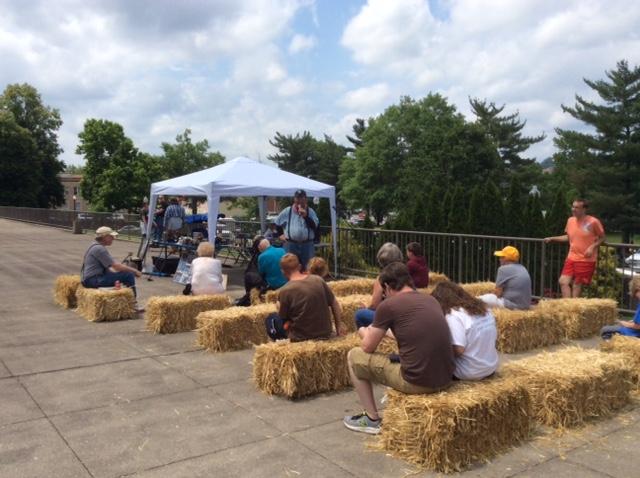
510 253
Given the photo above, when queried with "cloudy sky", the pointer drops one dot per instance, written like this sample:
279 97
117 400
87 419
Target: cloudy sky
237 71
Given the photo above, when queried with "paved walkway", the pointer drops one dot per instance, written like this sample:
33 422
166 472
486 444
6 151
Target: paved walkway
79 399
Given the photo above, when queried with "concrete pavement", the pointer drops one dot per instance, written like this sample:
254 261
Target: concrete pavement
80 399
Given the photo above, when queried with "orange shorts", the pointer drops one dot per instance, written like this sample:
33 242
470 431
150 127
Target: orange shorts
581 271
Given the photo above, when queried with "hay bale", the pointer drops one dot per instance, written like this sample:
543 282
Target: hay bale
233 328
301 369
342 288
574 384
168 315
581 318
64 290
436 277
97 305
350 304
479 288
521 330
630 348
447 431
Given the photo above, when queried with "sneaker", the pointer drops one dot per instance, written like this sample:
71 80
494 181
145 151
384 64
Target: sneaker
139 309
362 423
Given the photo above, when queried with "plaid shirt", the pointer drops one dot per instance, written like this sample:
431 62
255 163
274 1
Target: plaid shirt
174 210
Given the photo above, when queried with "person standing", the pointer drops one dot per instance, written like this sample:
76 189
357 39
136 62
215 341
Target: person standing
513 282
584 233
300 224
173 219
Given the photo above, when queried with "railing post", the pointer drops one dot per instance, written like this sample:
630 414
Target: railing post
459 279
543 259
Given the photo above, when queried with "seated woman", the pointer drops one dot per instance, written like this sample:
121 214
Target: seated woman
387 254
630 328
318 267
206 272
417 265
473 332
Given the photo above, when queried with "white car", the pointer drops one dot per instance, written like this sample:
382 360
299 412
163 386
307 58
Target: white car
633 261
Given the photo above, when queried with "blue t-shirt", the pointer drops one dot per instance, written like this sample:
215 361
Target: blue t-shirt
269 266
632 332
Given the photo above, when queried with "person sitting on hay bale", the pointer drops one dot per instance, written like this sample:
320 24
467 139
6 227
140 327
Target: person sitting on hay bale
206 272
100 269
513 282
303 312
473 332
269 265
417 265
630 328
387 254
318 267
425 363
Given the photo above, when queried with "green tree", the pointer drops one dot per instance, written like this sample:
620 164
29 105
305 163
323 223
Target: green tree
117 175
556 219
184 156
494 206
24 103
607 161
476 212
457 218
434 221
19 159
515 214
534 224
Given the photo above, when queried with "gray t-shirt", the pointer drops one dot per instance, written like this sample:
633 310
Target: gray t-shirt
515 283
96 262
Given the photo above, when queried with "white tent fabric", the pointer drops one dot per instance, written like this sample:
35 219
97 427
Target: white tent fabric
242 177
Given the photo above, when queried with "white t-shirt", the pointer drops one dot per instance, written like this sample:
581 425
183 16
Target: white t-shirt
206 276
477 334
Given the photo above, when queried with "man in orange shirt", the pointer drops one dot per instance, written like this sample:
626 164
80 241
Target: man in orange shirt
584 234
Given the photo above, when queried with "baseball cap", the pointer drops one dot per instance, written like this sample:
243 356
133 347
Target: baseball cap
300 193
510 253
105 231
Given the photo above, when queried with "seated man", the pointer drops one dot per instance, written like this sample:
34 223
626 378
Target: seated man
304 306
99 269
513 283
269 264
425 363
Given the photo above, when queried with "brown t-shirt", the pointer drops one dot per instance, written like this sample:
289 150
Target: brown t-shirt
306 304
424 340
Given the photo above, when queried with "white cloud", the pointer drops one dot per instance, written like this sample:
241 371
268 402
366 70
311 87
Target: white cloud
367 98
301 43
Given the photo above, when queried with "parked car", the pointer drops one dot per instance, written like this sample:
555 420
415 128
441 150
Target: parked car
633 261
130 230
117 216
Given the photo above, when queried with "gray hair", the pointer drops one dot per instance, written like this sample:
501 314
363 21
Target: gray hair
388 254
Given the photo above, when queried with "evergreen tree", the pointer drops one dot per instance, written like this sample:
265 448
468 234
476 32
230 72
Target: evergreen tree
556 219
494 206
444 211
434 222
607 162
535 225
458 212
515 214
476 212
420 215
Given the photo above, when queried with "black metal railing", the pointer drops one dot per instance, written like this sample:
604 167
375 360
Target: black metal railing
462 257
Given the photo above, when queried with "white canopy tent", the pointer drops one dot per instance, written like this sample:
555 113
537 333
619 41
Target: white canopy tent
243 177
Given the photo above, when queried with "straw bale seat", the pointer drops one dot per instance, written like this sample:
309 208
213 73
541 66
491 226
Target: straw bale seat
233 328
64 290
630 348
300 369
581 318
98 305
168 315
447 431
572 385
522 330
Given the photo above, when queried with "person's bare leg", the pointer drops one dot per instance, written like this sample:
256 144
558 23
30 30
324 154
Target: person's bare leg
364 389
576 290
565 286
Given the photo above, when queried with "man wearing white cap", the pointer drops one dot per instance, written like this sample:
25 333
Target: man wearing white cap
513 283
100 269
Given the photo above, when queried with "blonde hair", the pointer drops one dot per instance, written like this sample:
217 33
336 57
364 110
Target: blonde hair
206 249
318 266
634 285
289 263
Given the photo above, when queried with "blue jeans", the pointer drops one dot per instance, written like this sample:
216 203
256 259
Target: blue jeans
608 331
304 251
109 279
364 317
275 327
